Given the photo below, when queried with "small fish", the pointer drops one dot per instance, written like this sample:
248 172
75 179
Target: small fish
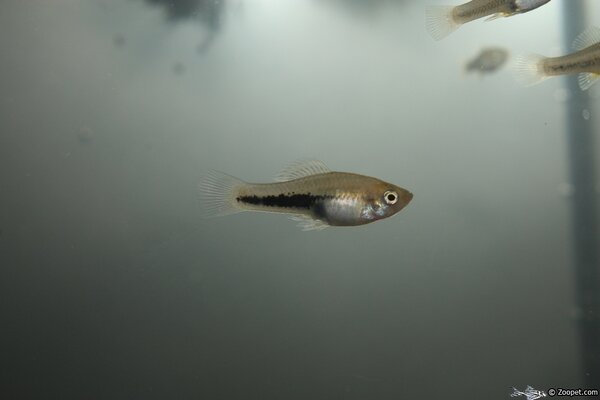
310 193
585 61
488 60
443 20
530 393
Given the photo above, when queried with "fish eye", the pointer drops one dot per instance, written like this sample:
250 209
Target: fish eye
390 197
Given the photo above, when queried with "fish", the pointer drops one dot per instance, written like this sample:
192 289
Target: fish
530 393
441 21
488 60
309 192
585 61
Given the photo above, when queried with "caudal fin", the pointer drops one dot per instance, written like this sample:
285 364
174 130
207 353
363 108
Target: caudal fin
217 192
529 69
439 21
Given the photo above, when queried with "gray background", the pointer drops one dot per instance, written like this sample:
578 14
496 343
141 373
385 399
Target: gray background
113 287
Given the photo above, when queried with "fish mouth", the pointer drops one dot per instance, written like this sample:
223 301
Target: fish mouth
407 197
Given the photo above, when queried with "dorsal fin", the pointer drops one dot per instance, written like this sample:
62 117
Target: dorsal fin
587 38
300 169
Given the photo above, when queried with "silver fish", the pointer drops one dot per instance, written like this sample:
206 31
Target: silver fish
488 60
309 192
443 20
585 61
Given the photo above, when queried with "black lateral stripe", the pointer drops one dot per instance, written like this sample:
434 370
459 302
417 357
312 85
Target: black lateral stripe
304 201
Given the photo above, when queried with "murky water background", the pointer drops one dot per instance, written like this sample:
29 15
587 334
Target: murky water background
113 287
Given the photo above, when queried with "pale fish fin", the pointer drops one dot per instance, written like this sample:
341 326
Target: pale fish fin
302 168
217 192
587 79
309 224
496 16
439 21
587 38
529 69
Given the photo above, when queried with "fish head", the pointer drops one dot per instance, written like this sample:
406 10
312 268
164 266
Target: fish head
384 200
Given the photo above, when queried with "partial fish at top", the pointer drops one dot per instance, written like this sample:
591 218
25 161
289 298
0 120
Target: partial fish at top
309 192
585 61
443 20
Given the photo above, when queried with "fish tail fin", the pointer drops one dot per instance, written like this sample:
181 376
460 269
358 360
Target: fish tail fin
587 79
529 69
217 193
439 21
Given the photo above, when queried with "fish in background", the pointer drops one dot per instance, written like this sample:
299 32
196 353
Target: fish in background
489 60
585 61
310 193
441 21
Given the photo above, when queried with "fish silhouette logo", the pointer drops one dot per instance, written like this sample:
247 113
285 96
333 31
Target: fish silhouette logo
530 393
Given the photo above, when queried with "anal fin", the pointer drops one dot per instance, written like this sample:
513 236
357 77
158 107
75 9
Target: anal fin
309 224
587 79
496 16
